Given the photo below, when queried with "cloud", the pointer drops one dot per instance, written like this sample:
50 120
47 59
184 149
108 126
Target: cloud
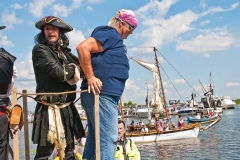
232 84
235 5
5 42
75 37
178 81
206 55
10 18
204 22
25 71
89 8
60 9
214 41
203 4
36 7
130 85
76 4
17 6
160 31
95 1
174 82
65 11
154 9
219 9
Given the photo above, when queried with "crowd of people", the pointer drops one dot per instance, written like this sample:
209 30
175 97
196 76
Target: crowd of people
159 124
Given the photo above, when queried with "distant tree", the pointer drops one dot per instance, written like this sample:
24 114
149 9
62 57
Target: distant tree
237 102
131 105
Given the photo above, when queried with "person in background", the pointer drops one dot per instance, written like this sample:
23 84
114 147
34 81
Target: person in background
173 125
144 129
180 122
152 121
158 124
132 123
210 113
126 148
103 59
8 75
56 120
165 124
140 122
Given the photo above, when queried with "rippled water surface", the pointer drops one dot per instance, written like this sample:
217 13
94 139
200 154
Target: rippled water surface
222 141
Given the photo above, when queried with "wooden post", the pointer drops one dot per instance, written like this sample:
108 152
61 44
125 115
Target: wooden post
25 117
97 128
121 108
15 134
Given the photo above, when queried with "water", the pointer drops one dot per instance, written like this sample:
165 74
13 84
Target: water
222 141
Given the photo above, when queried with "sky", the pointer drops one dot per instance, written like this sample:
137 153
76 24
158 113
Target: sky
193 39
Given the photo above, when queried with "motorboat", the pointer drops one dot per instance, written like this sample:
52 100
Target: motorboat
142 111
227 103
190 108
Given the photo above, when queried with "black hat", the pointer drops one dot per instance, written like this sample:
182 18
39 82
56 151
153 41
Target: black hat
54 21
2 27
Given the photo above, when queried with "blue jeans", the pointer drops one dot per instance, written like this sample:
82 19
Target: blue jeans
108 125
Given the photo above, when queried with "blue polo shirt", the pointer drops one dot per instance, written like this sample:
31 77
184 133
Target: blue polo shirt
112 65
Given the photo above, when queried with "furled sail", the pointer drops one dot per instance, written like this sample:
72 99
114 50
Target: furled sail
157 101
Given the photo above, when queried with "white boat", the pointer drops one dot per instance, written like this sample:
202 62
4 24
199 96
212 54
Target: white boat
190 108
185 110
142 111
227 103
167 135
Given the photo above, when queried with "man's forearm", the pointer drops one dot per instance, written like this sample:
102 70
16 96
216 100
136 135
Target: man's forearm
85 62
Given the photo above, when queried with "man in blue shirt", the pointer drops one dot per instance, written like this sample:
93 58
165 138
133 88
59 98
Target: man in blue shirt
105 66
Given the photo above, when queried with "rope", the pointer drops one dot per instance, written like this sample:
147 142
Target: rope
172 83
178 73
50 93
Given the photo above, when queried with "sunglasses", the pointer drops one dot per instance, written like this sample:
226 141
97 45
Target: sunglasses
130 27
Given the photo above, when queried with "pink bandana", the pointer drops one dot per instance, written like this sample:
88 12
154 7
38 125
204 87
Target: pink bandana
128 16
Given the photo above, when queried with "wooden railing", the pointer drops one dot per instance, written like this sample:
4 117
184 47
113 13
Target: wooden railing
24 96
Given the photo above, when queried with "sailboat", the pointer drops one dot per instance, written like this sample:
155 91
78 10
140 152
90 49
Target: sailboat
159 109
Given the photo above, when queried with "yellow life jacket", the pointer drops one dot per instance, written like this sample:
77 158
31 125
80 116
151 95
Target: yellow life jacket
131 153
78 155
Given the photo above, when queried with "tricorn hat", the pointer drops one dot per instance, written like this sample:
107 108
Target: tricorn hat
54 21
2 27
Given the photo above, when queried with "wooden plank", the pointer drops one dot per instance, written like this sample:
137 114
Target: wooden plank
15 134
121 108
97 128
25 117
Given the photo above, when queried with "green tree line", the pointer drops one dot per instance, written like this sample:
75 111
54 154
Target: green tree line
237 102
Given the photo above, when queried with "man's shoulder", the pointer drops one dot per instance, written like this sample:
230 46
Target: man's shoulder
103 29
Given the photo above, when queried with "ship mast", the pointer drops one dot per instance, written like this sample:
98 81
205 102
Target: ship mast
159 74
211 90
